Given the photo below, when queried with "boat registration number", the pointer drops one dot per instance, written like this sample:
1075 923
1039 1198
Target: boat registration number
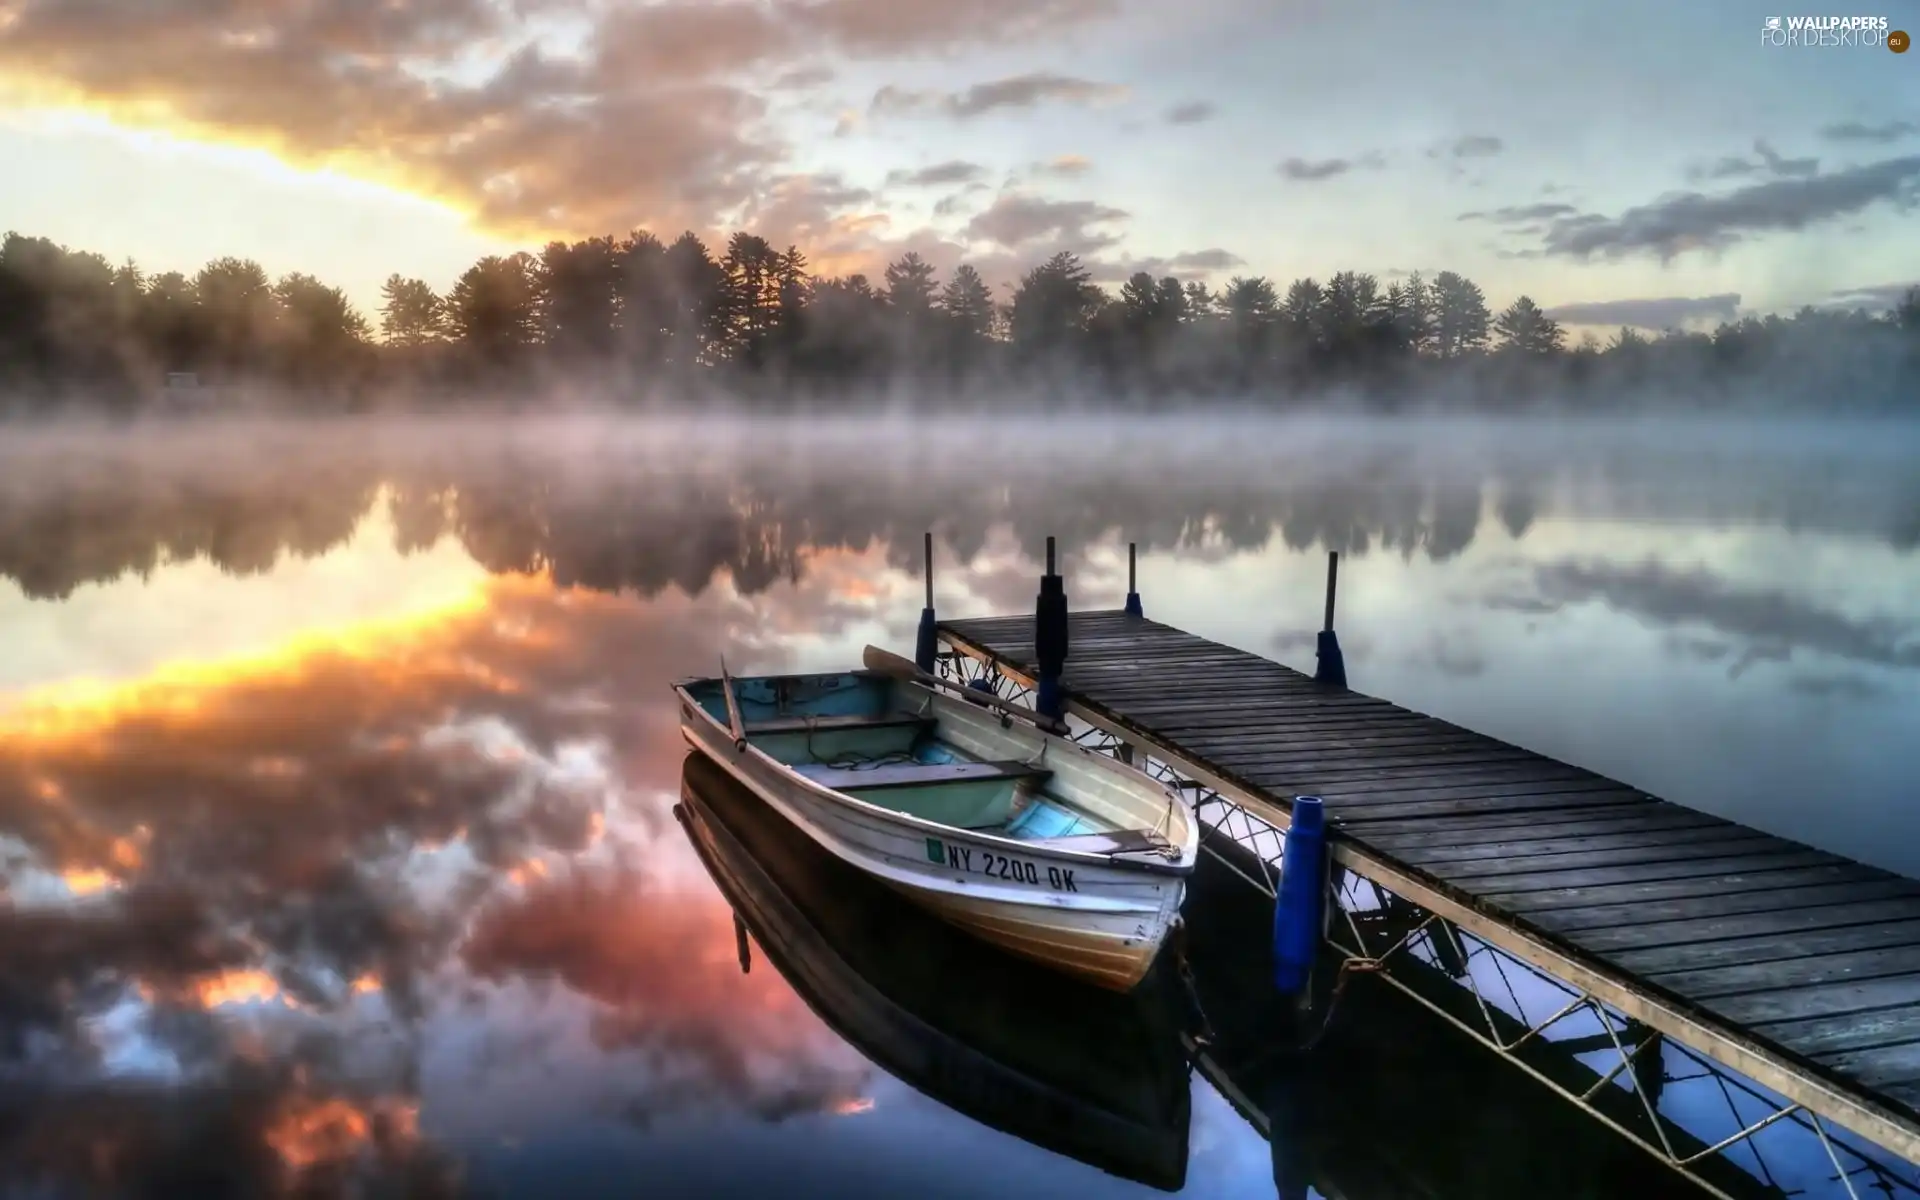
999 866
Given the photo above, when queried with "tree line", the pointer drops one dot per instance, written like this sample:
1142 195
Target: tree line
644 319
643 518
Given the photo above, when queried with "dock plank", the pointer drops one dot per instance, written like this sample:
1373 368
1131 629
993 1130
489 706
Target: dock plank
1360 799
1713 983
1396 834
1764 947
1780 924
1643 872
1648 845
1798 949
1824 1039
1533 904
1879 1065
1713 902
1588 861
1820 1000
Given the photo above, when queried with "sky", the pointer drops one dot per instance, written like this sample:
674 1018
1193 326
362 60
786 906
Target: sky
1621 163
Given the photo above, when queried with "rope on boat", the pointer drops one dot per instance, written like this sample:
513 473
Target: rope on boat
852 760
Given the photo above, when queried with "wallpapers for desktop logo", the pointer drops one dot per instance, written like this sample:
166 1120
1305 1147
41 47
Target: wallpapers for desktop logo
1847 32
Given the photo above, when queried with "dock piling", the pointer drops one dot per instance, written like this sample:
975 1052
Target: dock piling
926 643
1299 908
1133 584
1331 664
1050 639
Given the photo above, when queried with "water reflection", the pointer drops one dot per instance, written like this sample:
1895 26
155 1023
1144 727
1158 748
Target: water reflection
263 912
1082 1071
1392 1102
337 767
1723 616
644 510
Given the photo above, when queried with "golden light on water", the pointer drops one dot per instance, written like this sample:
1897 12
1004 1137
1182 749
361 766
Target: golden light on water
176 693
307 1132
87 881
236 987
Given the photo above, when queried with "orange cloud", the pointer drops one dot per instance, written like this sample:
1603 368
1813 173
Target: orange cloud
663 968
236 834
656 115
238 830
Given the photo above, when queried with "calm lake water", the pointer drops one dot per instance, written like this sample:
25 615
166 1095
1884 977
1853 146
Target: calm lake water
338 775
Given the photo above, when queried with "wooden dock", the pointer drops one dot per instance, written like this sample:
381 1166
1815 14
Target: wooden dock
1798 968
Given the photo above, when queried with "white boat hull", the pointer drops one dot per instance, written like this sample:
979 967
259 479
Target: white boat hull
1096 916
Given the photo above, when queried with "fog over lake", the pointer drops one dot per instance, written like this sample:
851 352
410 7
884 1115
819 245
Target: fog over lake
337 759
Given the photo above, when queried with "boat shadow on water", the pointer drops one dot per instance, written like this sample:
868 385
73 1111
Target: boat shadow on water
968 1025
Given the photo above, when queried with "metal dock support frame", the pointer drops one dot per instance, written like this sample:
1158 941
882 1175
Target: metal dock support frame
1718 1109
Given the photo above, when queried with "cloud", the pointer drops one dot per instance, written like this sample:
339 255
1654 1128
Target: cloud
951 204
1687 221
1192 112
1015 220
1475 145
1771 624
1521 214
802 79
656 115
1789 168
1205 260
651 961
950 172
1728 167
1659 312
1302 170
1835 686
1019 91
833 220
282 937
884 27
1882 134
1874 296
1188 265
1768 161
1065 166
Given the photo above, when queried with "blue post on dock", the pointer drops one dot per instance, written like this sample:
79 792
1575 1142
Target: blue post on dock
1299 909
925 645
1050 640
1332 665
1133 589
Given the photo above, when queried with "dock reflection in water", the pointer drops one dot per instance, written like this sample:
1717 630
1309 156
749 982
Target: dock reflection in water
1392 1103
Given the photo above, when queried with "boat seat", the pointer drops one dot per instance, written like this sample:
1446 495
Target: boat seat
829 723
918 774
1118 841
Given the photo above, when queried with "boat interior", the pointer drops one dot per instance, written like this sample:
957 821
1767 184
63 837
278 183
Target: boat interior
857 734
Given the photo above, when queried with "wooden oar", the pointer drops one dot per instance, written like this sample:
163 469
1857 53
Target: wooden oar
888 663
733 708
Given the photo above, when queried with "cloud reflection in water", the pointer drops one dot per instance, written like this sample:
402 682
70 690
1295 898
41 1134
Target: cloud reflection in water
390 877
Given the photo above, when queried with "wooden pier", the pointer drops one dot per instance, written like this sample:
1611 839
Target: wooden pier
1796 968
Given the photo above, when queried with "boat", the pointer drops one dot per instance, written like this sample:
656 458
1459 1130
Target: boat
967 804
1075 1069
